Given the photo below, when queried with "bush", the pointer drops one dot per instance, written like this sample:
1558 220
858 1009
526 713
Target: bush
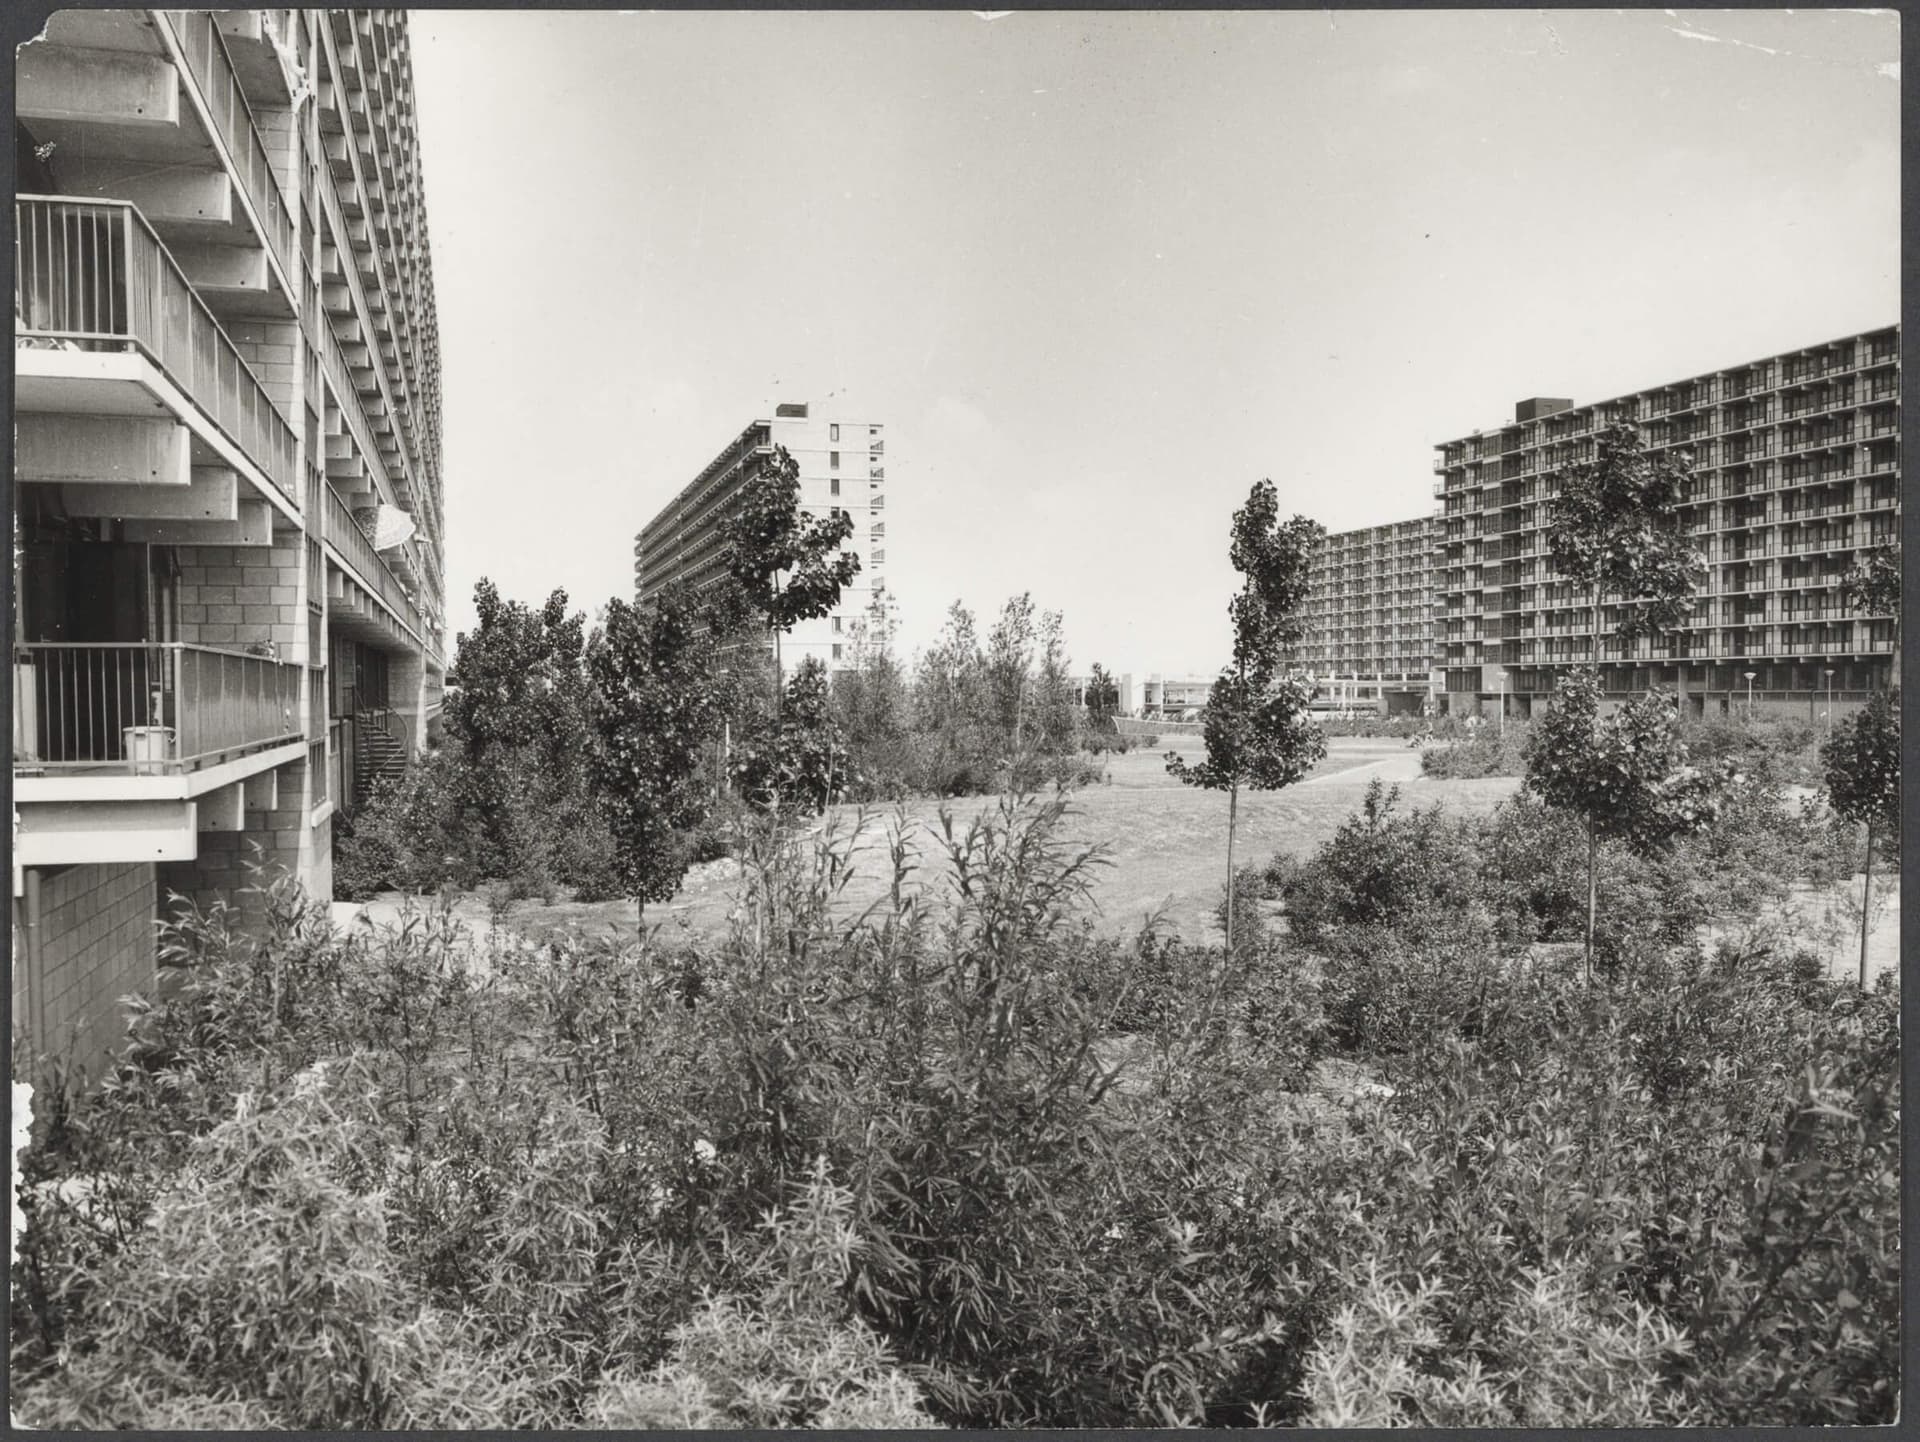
1487 750
1019 1175
1382 869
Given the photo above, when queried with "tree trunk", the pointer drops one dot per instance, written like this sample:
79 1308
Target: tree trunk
1866 905
1233 816
1593 847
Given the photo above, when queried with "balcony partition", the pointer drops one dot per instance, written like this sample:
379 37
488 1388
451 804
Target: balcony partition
147 707
91 275
205 51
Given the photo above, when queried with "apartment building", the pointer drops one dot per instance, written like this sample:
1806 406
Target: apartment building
843 467
1368 639
1796 467
228 523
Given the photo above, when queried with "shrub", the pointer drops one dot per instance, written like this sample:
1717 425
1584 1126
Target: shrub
789 1356
1383 869
1487 750
261 1292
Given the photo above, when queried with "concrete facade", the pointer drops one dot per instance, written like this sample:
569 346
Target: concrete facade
227 397
1796 476
1369 638
843 466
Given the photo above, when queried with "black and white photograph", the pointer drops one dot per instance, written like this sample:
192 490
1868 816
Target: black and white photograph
868 719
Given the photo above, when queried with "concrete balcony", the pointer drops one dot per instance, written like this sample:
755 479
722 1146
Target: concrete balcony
144 106
123 375
129 752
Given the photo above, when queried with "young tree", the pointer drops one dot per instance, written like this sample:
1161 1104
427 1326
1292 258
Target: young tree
1102 701
785 566
1009 663
1258 730
516 715
1872 588
1624 776
802 758
654 710
1617 527
1053 689
871 703
1861 761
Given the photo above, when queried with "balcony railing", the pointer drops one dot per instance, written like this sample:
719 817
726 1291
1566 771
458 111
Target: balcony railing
212 70
343 533
147 707
91 275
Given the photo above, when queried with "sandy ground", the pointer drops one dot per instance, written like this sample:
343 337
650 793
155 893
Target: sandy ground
1164 850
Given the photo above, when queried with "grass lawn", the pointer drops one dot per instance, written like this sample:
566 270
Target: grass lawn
1165 843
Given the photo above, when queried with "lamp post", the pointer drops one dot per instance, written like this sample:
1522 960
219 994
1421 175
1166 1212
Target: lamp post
1829 700
1503 701
1749 676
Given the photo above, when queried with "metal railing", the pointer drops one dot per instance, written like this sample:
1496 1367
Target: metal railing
343 533
147 707
92 275
212 70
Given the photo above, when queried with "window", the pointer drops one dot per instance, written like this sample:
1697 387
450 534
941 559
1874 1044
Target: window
833 431
836 650
834 484
836 625
833 460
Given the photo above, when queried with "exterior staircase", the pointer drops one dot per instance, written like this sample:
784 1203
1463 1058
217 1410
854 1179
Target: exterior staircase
378 753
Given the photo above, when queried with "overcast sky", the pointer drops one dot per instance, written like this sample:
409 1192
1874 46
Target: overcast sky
1099 273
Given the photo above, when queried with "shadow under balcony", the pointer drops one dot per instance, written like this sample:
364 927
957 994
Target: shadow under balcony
125 752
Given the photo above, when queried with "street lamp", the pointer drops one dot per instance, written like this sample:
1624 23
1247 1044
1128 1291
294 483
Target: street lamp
1749 676
1503 702
1829 700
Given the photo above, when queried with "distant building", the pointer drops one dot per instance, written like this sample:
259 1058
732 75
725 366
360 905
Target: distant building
1123 690
228 506
843 467
1368 642
1174 698
1796 464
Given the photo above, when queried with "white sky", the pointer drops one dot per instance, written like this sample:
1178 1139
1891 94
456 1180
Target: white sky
1098 273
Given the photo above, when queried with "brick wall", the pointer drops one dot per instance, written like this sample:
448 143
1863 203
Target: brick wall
271 839
95 945
241 595
272 349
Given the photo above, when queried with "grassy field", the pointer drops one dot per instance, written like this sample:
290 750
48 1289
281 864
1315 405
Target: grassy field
1164 846
1164 843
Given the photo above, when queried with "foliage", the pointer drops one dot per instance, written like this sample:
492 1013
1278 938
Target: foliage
798 760
1872 587
654 713
1617 527
1102 701
1627 775
1861 763
789 1356
955 1156
785 566
1379 868
1488 750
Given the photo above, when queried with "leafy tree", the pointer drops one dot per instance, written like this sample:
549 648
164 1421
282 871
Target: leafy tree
1103 701
654 711
1862 765
1625 776
1872 587
1617 527
785 565
801 756
1257 728
1009 662
1052 690
872 703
